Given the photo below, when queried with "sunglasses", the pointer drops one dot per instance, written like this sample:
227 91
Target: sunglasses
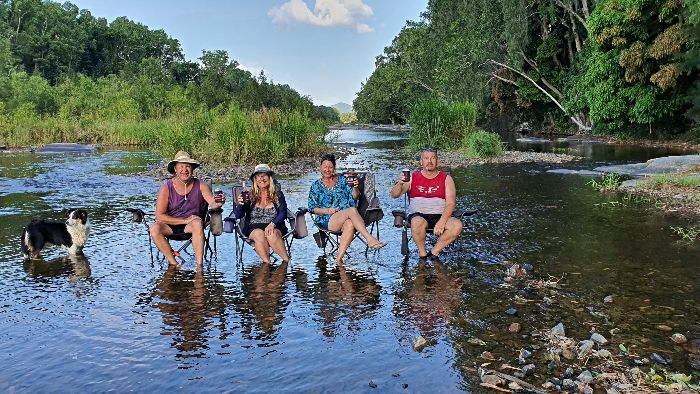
430 149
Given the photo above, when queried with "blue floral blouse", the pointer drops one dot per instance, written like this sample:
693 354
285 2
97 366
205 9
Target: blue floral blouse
339 197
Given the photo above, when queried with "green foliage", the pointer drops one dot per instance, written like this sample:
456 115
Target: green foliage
687 233
81 79
609 182
687 181
441 124
481 144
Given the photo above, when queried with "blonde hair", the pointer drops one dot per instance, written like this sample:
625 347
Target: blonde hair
272 194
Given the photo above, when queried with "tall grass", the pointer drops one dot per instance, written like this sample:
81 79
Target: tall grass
481 144
229 135
441 124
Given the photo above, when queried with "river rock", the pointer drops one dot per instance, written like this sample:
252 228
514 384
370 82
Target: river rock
491 379
602 353
664 327
514 328
693 346
486 355
608 299
585 348
679 338
694 361
66 148
511 312
585 377
661 165
372 384
599 339
528 369
568 354
419 343
568 373
659 359
558 330
568 384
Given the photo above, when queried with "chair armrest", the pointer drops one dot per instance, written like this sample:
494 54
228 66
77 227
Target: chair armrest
465 213
399 213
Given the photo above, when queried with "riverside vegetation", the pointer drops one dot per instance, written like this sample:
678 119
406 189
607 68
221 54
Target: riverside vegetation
82 79
610 67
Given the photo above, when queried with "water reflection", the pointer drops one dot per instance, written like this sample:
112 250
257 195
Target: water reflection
344 296
263 304
188 302
74 267
428 298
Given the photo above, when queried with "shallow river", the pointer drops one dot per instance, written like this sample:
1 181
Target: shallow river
115 320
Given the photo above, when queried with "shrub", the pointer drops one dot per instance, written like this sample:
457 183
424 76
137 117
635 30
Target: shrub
481 144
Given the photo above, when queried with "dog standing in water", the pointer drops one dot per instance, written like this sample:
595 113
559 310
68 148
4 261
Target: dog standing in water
71 234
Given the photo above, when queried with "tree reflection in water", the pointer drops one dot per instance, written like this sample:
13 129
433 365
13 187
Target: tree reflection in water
427 300
344 297
263 304
188 301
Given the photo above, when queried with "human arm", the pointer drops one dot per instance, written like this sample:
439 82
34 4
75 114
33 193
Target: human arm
315 204
400 187
281 210
450 205
209 197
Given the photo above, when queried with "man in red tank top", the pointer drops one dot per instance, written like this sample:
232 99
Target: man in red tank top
433 200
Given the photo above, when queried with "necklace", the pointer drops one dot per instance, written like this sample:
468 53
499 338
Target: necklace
185 184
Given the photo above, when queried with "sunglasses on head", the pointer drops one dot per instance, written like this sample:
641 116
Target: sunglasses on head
430 149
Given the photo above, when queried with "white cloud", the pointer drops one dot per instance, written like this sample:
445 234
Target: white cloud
326 13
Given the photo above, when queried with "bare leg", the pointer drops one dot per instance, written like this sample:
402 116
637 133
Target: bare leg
453 228
158 233
196 228
338 219
277 243
262 247
348 232
418 230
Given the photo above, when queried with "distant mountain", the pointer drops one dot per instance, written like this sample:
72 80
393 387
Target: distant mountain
342 107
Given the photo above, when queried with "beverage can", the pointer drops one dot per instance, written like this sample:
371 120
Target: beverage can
246 196
351 176
406 174
218 195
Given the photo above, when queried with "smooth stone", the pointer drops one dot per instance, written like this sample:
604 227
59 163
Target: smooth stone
659 359
512 312
599 339
608 299
604 353
664 327
491 379
514 328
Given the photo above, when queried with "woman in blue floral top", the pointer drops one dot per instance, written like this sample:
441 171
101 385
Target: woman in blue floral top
334 204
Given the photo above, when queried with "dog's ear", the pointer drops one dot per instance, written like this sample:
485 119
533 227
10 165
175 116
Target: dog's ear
67 213
83 215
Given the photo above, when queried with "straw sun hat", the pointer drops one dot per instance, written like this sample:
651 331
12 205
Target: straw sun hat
182 157
262 168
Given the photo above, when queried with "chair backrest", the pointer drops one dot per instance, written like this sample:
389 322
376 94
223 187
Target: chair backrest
368 205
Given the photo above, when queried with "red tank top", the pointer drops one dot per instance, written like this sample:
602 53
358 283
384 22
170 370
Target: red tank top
427 188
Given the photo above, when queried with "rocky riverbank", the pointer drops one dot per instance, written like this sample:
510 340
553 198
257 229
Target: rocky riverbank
304 165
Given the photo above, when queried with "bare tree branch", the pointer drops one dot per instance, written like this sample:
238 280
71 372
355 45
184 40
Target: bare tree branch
581 125
571 11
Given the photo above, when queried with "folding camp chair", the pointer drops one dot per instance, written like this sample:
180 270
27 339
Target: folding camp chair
209 216
400 221
296 223
369 208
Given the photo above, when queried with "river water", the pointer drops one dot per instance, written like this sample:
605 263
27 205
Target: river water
115 320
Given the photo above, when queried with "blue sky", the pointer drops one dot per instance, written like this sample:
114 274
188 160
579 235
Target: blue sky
321 48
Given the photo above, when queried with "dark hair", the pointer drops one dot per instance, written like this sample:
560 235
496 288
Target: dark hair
329 157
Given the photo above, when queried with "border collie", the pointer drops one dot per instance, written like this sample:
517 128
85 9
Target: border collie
71 234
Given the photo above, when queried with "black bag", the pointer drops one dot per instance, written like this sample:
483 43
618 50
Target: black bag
320 238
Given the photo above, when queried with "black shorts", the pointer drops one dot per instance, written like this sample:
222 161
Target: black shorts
177 228
261 226
432 219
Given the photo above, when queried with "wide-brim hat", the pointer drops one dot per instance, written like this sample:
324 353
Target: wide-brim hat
182 157
262 168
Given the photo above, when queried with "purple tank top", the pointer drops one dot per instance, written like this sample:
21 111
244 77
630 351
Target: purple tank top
179 207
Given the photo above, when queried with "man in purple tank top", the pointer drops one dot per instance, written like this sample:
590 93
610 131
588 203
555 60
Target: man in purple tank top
180 208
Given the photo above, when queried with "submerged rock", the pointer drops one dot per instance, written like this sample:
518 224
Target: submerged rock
66 148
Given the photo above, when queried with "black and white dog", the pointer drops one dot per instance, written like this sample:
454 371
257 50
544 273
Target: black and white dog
71 234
